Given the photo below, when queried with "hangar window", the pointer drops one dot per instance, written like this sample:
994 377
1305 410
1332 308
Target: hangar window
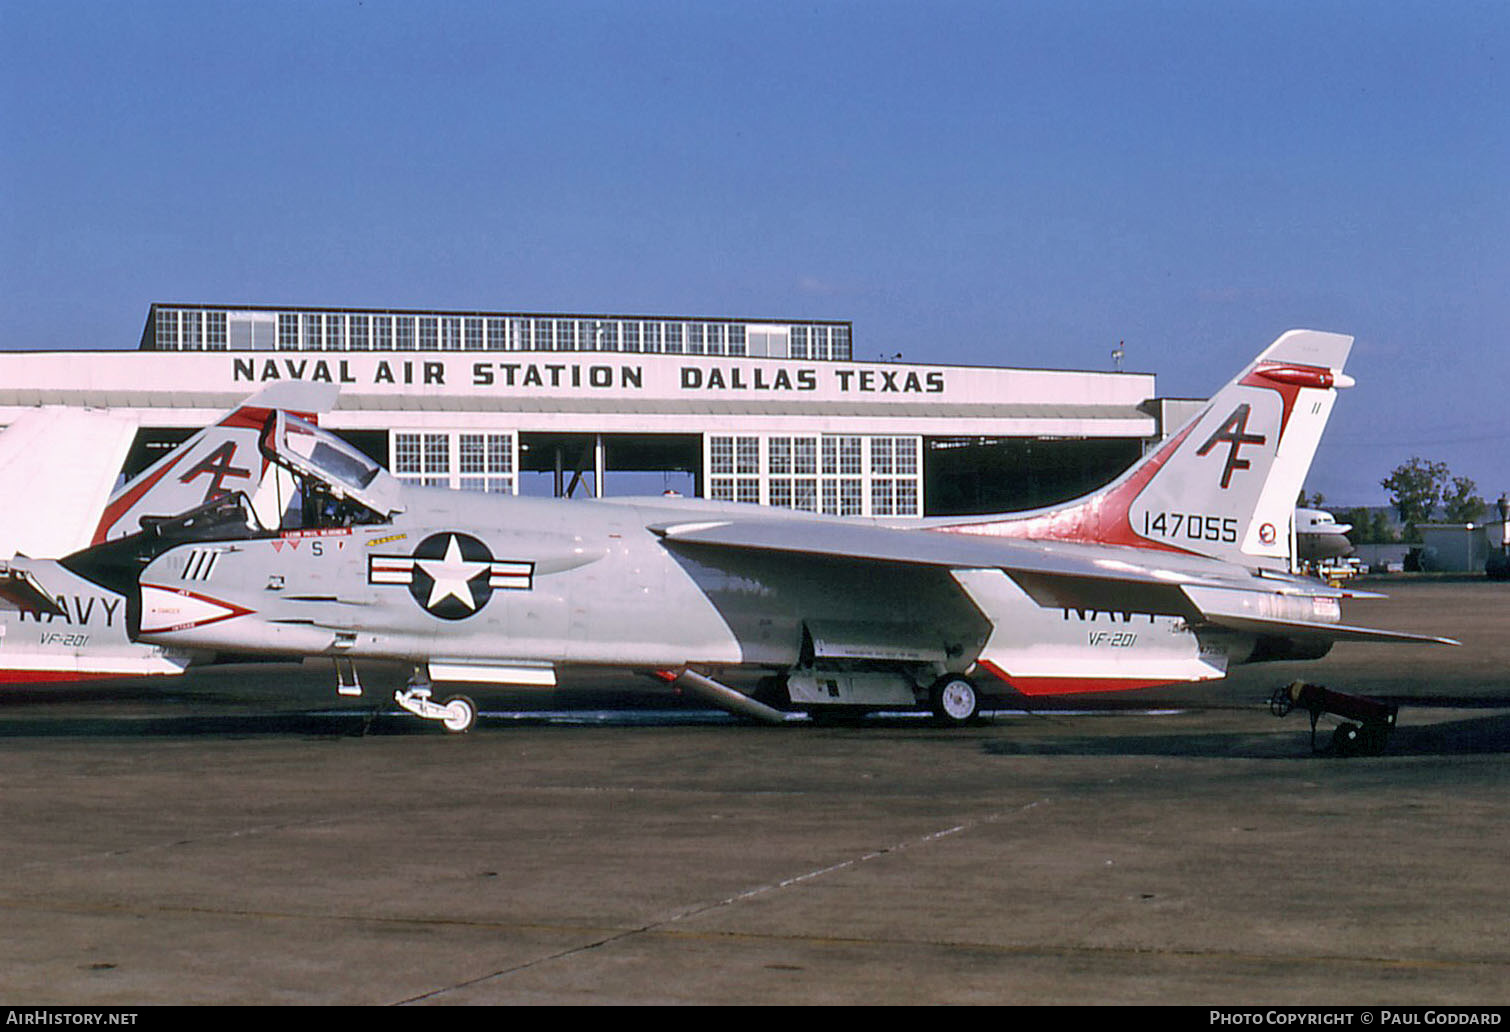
359 324
805 455
288 331
382 332
695 339
851 456
673 338
734 468
437 459
820 342
427 333
906 455
653 337
214 331
839 345
191 322
779 450
167 329
422 458
721 455
851 498
458 460
631 336
806 494
406 454
799 342
907 497
487 463
335 333
787 460
736 340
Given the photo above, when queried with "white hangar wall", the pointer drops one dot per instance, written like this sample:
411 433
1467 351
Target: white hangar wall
827 434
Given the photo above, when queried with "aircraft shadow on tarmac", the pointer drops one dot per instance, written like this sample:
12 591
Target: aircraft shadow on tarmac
1489 734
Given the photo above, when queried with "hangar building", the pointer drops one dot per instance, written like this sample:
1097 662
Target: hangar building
774 411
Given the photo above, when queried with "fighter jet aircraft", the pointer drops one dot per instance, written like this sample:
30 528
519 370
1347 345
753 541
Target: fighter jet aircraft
1171 573
57 627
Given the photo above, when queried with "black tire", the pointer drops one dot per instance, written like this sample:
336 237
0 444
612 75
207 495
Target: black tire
1372 738
954 700
1347 740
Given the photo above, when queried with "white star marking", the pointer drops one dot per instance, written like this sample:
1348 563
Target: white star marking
450 576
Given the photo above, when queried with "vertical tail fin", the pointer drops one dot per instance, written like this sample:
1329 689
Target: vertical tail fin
218 460
1225 484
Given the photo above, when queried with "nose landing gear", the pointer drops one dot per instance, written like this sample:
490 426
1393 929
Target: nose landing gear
457 714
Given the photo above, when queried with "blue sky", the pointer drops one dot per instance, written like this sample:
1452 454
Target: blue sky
988 183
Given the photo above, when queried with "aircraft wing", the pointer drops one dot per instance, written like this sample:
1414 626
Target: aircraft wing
59 466
927 548
19 590
1062 574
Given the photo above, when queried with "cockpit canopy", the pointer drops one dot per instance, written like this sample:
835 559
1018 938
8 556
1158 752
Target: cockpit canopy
329 465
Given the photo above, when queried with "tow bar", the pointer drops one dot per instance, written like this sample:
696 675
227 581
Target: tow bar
1366 722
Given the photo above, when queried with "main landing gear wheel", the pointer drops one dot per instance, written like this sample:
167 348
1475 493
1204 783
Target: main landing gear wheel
954 701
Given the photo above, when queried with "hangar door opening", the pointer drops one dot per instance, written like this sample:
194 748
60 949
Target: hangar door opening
590 465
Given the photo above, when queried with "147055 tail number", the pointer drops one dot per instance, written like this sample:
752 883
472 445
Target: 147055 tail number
1190 526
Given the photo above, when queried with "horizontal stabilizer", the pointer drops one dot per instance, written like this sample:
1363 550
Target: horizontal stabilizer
1298 614
1331 632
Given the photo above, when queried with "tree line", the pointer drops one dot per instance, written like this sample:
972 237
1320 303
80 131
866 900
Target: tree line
1417 489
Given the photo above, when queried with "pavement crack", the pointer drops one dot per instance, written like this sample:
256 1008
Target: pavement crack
664 923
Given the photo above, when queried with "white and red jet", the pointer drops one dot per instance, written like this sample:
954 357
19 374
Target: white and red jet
1172 573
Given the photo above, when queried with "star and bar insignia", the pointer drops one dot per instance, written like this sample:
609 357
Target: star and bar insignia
450 574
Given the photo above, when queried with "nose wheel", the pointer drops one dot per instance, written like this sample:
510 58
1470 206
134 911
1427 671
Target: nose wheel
457 714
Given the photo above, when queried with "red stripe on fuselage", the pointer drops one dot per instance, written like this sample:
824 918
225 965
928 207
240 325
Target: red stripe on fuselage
1034 686
62 676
